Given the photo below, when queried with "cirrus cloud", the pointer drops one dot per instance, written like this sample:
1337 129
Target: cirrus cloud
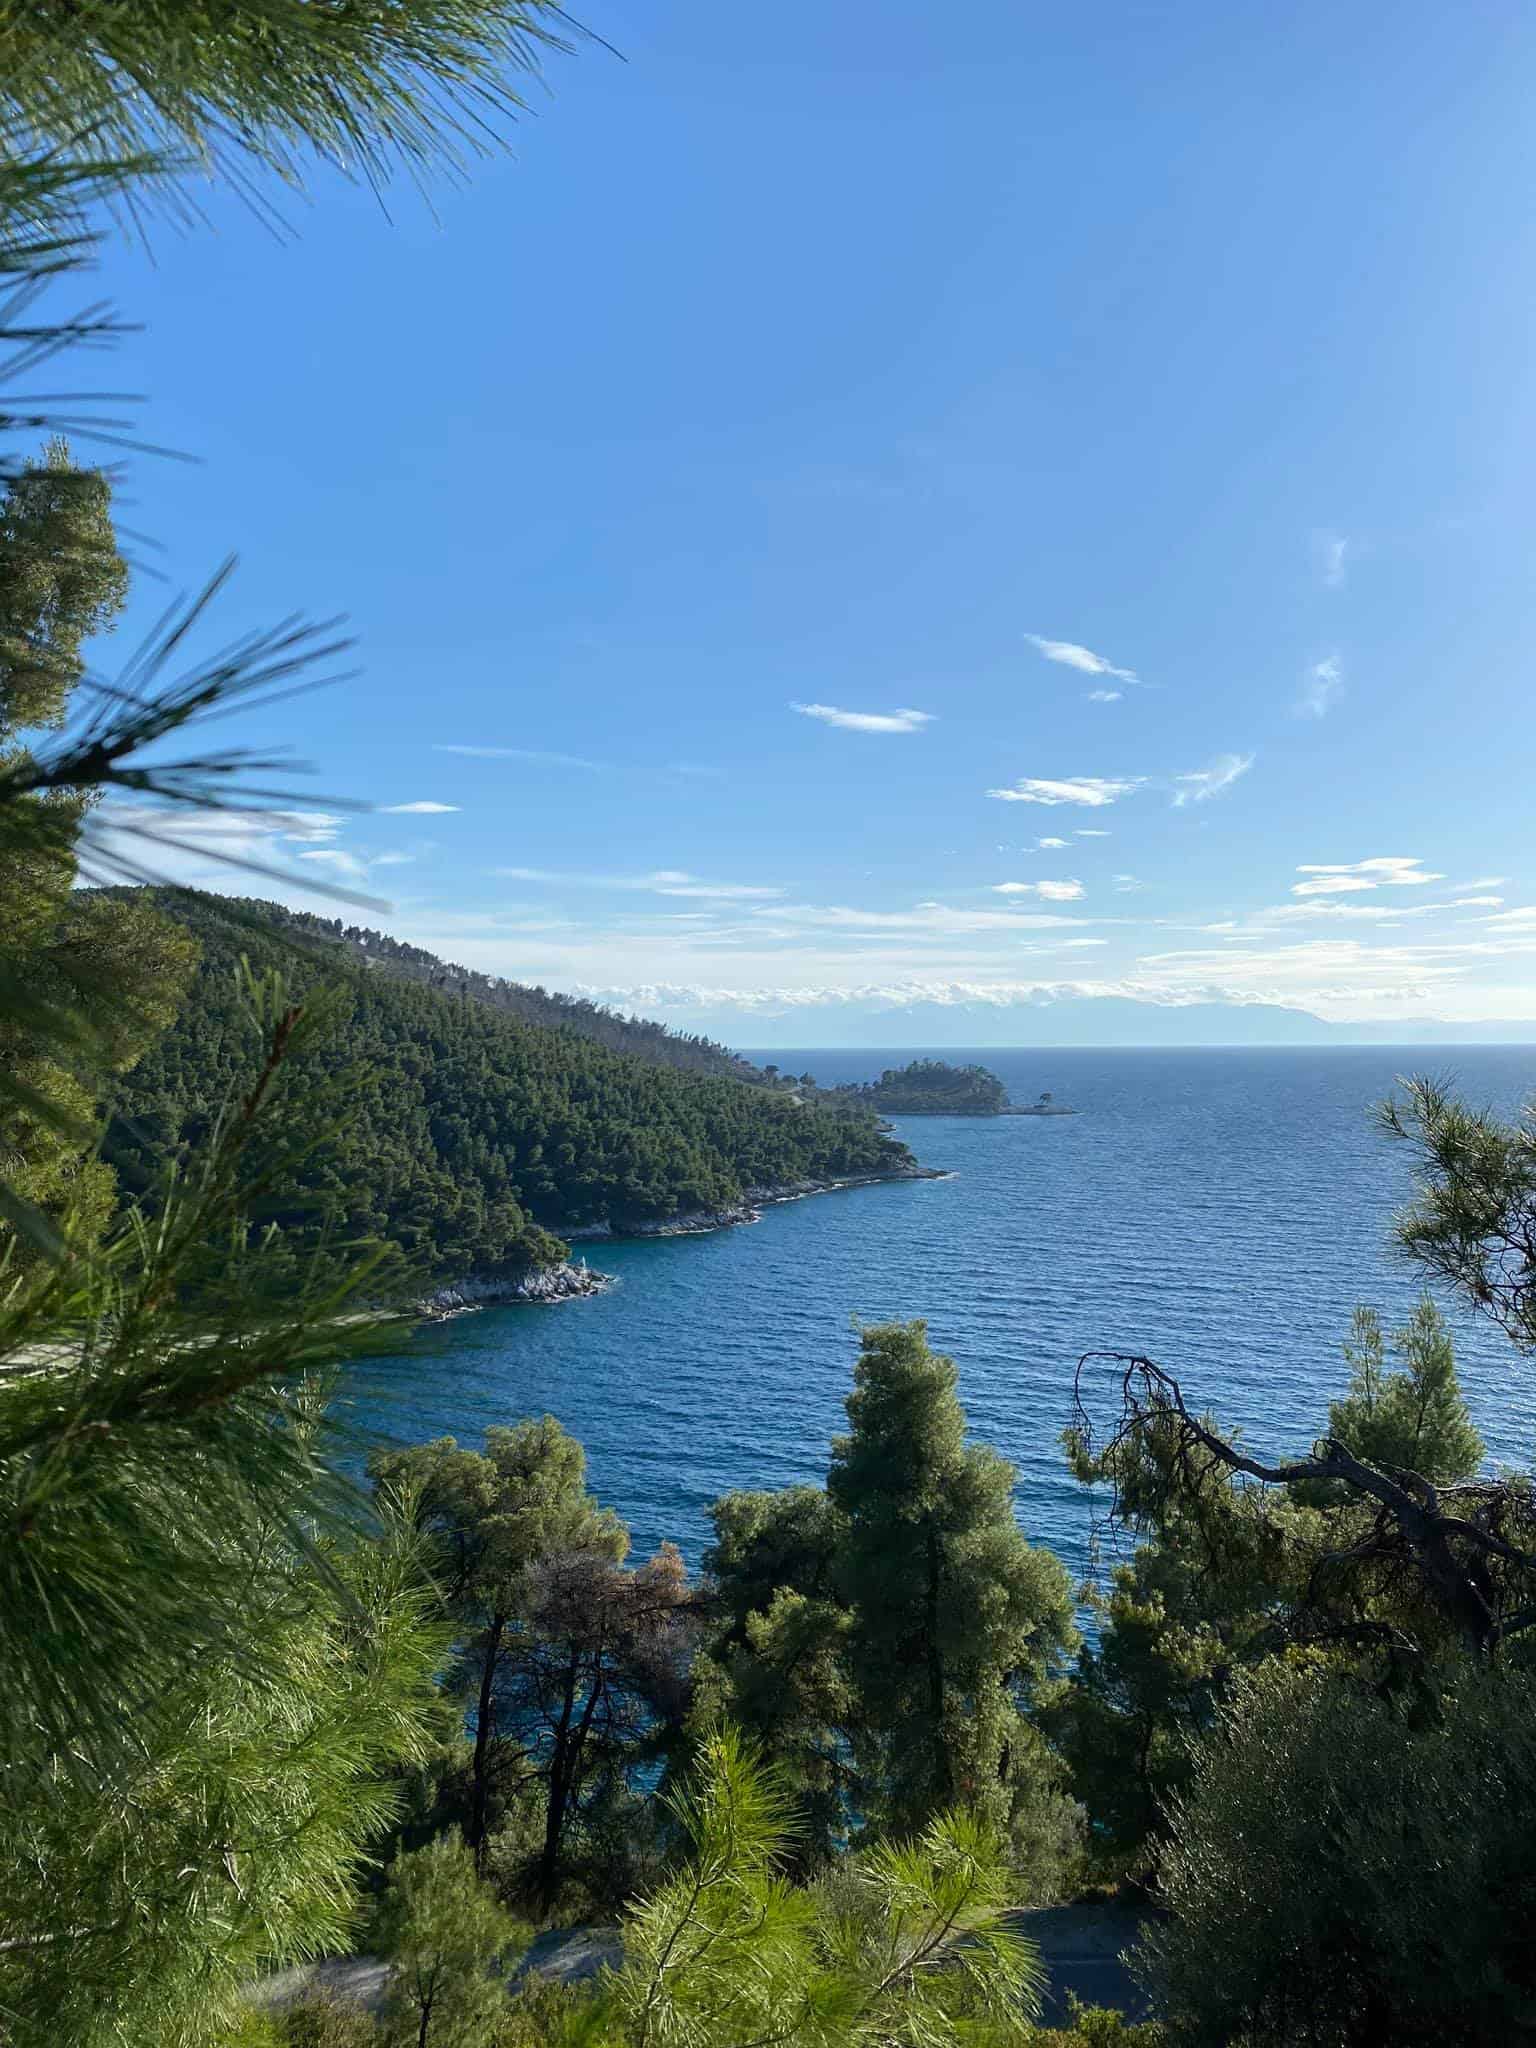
1048 892
865 721
1204 783
1083 659
659 882
1323 681
1092 791
1341 878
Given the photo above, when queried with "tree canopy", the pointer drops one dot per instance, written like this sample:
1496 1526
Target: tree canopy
469 1136
932 1088
883 1638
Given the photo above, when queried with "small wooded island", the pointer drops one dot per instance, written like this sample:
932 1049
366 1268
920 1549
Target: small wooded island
935 1088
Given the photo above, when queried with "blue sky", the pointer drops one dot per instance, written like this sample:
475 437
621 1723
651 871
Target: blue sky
858 505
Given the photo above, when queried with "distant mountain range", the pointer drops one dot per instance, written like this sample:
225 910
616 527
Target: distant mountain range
1050 1021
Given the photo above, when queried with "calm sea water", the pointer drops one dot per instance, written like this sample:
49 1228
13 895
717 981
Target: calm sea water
1223 1211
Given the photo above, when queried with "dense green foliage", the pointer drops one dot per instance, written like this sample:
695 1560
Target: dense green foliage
89 980
931 1088
469 1136
1347 1870
1312 1684
911 1945
1229 1573
1473 1221
444 1933
531 1005
212 1672
62 580
221 85
883 1639
571 1670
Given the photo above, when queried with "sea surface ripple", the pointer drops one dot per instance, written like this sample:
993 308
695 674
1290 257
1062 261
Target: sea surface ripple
1221 1211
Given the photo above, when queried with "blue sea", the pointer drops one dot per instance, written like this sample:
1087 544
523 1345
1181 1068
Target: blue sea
1222 1211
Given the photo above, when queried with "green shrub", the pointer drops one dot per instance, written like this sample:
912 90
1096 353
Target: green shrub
1349 1870
322 2020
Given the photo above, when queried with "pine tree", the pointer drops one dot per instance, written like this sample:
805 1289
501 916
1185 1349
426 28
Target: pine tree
1416 1418
445 1935
912 1948
954 1613
211 1666
494 1517
90 979
362 86
570 1667
62 581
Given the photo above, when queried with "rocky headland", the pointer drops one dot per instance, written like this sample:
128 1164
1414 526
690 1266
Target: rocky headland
544 1285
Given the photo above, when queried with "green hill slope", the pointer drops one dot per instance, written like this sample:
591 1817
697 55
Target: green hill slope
529 1003
467 1135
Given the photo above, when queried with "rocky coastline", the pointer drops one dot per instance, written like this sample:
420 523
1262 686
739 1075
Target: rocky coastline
574 1280
543 1285
699 1222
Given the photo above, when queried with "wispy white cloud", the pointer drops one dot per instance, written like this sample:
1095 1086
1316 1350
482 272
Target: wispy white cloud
865 721
899 993
1105 696
1204 783
1334 908
352 865
1330 552
538 754
1082 832
1049 845
942 919
1125 885
1083 659
425 808
295 825
224 834
1321 684
659 882
1338 878
1093 791
1327 907
207 847
1048 892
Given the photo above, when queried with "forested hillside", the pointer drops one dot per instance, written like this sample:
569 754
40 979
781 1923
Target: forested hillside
530 1003
466 1136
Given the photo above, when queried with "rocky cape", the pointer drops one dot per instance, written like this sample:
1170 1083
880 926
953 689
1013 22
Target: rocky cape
542 1284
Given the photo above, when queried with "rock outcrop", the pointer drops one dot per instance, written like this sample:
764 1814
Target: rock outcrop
543 1284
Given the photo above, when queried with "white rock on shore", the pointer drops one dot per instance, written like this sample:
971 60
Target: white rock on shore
568 1282
545 1284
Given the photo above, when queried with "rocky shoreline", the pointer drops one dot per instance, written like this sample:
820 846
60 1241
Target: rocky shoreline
699 1222
543 1285
573 1281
